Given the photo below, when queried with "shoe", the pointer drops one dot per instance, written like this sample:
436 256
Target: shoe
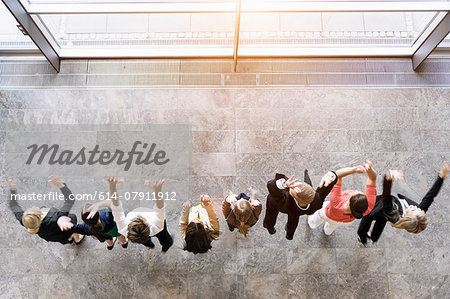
287 236
165 248
112 246
359 239
271 230
125 245
231 229
79 242
149 244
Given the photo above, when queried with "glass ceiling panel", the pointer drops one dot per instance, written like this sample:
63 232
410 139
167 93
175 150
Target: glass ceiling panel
179 33
332 29
183 32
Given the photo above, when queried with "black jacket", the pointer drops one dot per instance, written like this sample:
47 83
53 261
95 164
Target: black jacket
282 200
389 208
49 229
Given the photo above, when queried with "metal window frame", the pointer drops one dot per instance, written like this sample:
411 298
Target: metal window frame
36 34
111 7
430 39
33 9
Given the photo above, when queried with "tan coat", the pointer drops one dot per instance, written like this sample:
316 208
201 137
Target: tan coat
184 221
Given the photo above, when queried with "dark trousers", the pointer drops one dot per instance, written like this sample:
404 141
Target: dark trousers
164 238
271 213
378 227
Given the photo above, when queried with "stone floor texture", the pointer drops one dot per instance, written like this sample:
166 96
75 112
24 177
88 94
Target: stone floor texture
241 137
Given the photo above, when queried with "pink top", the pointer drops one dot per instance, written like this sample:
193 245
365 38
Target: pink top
335 209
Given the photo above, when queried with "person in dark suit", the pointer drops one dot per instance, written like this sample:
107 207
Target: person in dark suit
401 212
46 222
295 199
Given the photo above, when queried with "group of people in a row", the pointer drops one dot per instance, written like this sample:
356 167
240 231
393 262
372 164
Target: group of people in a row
199 224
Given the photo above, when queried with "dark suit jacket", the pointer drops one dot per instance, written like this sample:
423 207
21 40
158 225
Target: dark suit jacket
281 200
49 229
108 224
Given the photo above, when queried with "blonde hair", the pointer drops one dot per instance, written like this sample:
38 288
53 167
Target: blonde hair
32 219
307 194
243 210
412 224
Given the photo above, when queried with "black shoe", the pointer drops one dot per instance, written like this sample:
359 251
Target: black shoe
271 230
231 229
359 239
125 245
165 248
149 243
287 236
112 246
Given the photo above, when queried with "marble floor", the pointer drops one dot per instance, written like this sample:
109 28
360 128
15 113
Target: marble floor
240 138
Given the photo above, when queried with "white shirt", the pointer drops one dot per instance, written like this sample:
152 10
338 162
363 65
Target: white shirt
154 217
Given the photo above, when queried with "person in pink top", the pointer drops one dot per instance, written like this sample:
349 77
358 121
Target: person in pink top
346 206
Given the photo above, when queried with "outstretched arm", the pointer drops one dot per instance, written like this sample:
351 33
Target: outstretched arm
68 196
387 185
206 200
13 205
371 173
326 184
343 172
184 219
434 190
116 207
113 181
157 189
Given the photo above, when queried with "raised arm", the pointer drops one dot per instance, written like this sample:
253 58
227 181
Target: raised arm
326 184
13 205
434 190
68 196
158 194
257 208
371 174
343 172
113 181
387 185
116 207
184 219
206 200
276 185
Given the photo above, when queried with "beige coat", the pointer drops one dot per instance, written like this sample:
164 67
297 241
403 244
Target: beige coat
184 221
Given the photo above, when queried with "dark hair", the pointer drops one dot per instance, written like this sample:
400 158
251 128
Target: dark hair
198 239
92 223
358 205
138 230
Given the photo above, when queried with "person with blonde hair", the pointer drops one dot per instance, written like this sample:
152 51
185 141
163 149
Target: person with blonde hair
241 212
47 223
199 225
401 212
295 199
